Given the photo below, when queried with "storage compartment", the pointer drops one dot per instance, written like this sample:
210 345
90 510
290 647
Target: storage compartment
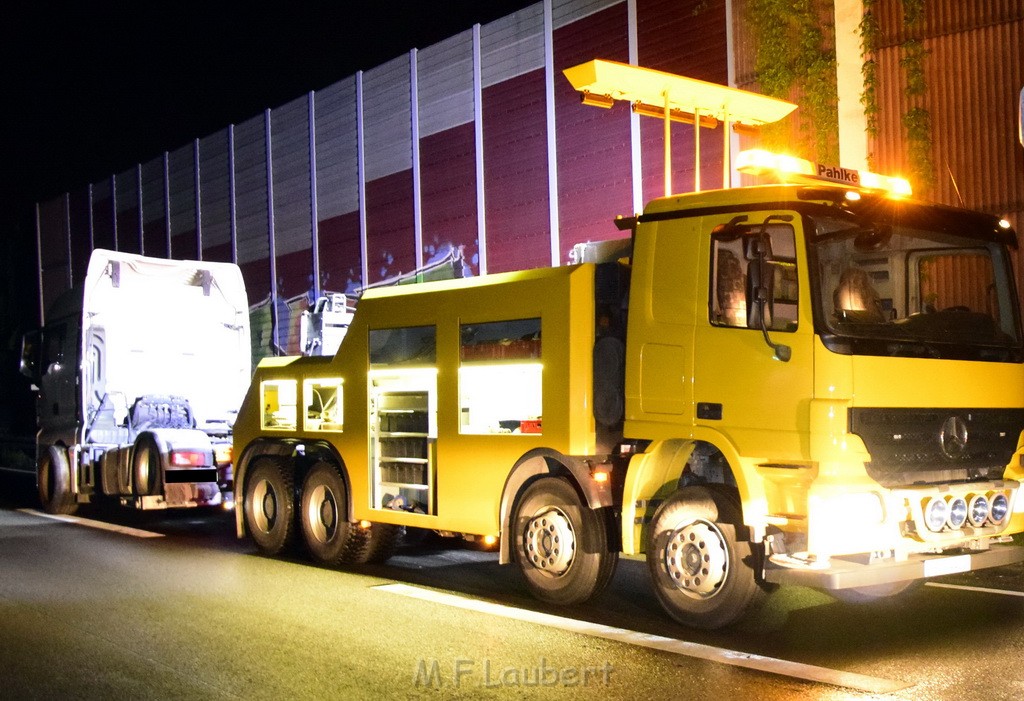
402 447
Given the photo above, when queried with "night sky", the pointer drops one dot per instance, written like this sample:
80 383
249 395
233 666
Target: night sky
92 88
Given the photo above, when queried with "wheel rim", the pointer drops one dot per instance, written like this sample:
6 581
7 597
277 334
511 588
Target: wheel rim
322 514
697 559
264 506
550 541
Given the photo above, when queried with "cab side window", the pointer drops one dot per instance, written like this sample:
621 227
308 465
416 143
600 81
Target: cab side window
753 272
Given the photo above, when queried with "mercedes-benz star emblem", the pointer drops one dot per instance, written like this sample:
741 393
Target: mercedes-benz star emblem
953 437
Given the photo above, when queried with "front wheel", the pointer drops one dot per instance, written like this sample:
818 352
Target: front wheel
269 505
53 478
703 574
561 544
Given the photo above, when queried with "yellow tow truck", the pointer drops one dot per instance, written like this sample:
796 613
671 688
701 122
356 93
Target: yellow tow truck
819 381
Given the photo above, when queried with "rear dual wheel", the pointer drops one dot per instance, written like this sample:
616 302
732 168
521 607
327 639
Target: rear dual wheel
323 513
269 504
330 537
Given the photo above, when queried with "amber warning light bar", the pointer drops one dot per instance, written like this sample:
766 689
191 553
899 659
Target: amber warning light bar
792 169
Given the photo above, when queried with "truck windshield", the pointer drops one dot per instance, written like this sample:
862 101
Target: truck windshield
914 280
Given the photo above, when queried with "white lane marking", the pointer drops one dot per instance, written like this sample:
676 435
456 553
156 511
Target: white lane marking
735 658
983 590
124 530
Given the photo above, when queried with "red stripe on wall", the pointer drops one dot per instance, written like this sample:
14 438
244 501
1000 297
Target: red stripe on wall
103 224
183 246
256 275
448 176
594 152
340 262
515 174
686 38
128 230
221 253
154 237
389 226
294 273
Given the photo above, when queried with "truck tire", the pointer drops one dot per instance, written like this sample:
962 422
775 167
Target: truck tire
703 574
147 467
323 515
53 478
561 545
372 545
384 539
269 505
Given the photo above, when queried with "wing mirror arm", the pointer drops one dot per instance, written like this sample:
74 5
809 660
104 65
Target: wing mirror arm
782 351
762 249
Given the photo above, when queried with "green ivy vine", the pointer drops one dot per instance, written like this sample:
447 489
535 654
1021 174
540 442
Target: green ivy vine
869 34
917 120
791 52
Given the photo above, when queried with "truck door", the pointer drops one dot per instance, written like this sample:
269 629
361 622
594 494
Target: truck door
743 387
58 400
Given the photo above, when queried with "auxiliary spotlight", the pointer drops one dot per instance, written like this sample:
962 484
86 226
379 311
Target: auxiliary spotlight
936 513
957 513
1000 508
977 510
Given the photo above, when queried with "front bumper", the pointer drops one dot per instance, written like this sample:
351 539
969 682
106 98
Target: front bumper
852 571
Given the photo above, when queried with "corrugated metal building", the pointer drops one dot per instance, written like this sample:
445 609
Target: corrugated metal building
480 145
974 70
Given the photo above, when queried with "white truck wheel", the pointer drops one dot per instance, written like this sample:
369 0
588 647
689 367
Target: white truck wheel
561 544
700 569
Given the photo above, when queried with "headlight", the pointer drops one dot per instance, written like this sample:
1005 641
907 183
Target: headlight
957 513
857 507
935 513
977 510
1000 507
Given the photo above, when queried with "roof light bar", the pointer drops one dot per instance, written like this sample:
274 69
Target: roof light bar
790 168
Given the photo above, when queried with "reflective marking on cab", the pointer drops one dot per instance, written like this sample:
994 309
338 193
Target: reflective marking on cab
947 565
124 530
735 658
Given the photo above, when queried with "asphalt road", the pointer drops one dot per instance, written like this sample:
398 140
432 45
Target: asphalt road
88 612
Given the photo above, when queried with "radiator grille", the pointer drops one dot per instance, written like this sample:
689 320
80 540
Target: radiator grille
920 446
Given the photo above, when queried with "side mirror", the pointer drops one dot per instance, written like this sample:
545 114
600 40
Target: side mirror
30 358
757 247
731 230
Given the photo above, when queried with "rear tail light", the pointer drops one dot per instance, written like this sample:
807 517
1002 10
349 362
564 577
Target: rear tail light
189 458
